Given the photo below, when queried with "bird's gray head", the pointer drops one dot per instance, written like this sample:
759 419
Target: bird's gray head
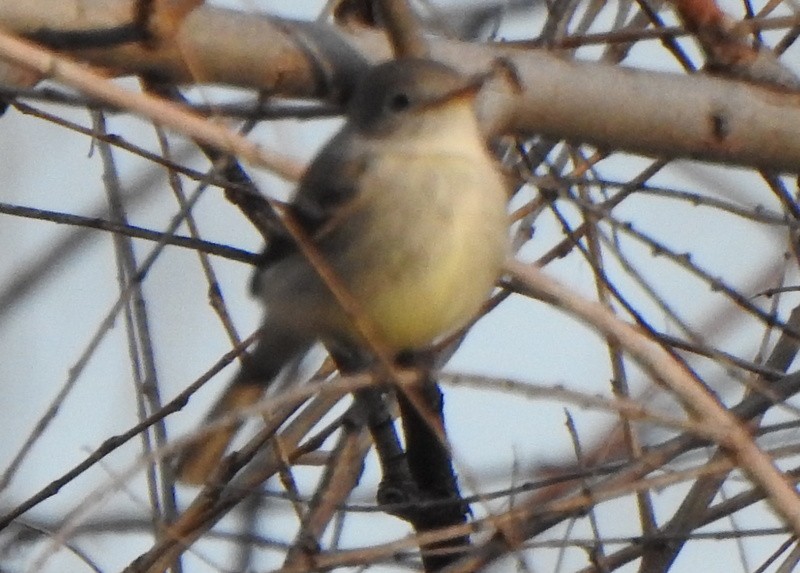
396 95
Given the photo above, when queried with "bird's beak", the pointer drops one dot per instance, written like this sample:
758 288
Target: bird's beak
468 91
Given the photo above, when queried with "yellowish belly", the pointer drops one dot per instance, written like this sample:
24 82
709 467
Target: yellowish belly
438 259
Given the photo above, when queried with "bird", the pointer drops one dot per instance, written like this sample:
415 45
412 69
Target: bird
408 210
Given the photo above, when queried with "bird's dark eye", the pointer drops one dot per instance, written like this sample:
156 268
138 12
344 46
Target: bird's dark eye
399 102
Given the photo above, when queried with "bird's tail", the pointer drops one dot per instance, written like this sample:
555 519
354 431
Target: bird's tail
202 456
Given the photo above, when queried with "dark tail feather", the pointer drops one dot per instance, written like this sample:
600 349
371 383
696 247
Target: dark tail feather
273 352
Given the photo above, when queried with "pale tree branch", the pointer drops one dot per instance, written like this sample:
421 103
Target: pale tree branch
671 115
700 404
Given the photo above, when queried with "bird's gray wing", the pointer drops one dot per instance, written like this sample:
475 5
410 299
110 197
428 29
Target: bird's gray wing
326 188
322 195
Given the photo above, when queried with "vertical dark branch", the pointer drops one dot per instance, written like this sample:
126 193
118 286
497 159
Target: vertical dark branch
431 467
418 485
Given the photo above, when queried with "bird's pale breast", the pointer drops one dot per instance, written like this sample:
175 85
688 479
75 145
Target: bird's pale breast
439 257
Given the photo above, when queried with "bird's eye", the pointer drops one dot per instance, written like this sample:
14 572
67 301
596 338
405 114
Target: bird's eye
399 102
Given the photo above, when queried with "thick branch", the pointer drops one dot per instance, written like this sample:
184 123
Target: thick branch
671 115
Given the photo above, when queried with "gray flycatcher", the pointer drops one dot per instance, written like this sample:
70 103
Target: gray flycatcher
407 208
